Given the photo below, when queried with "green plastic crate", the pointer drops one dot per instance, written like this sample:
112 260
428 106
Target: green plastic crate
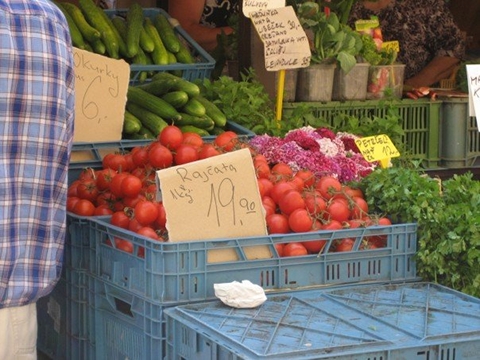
421 121
460 136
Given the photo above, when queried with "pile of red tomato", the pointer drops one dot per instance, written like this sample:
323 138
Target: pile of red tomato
294 201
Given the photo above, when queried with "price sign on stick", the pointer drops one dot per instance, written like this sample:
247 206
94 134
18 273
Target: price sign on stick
212 198
473 76
285 44
101 87
377 148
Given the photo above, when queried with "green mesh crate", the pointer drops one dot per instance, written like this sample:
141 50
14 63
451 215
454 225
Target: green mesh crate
460 136
421 121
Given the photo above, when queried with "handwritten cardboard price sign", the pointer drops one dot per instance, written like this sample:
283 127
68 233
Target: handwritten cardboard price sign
213 198
377 148
473 76
101 87
284 40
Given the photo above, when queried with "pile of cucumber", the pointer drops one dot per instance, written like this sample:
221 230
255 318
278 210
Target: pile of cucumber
136 38
169 99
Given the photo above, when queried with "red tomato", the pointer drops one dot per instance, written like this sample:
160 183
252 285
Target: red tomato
267 186
84 207
147 231
332 225
279 189
208 150
87 189
140 156
294 249
314 203
131 186
116 184
314 246
131 201
277 224
133 225
337 210
72 188
120 219
146 212
359 207
161 220
130 164
159 156
297 183
282 171
328 186
104 178
185 154
124 245
171 137
262 169
103 209
114 161
345 245
86 174
71 201
291 201
193 139
351 192
300 221
279 248
307 176
226 140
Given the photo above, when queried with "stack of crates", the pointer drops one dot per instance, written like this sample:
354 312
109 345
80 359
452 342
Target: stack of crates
133 290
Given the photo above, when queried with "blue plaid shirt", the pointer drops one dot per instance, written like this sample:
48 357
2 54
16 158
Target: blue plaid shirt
36 134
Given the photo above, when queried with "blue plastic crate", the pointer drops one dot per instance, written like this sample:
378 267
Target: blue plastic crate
180 271
127 326
381 322
66 318
204 62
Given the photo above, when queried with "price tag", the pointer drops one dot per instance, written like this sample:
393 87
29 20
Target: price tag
473 76
394 45
377 148
250 6
101 86
212 198
285 42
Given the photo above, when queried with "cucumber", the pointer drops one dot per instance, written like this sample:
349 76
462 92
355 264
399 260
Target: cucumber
122 46
176 98
184 55
141 59
96 18
203 122
169 38
134 26
189 87
144 133
89 33
213 111
159 87
152 103
159 53
194 129
194 107
131 124
121 26
98 47
151 121
146 42
77 37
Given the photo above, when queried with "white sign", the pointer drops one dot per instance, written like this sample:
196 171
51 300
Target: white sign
250 6
285 42
473 79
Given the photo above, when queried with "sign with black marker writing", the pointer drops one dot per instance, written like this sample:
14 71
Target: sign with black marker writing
376 148
250 6
285 42
473 78
217 197
101 86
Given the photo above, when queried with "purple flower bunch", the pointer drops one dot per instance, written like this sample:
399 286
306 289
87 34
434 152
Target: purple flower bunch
319 150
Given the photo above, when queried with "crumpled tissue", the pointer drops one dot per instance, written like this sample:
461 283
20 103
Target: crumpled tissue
242 295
